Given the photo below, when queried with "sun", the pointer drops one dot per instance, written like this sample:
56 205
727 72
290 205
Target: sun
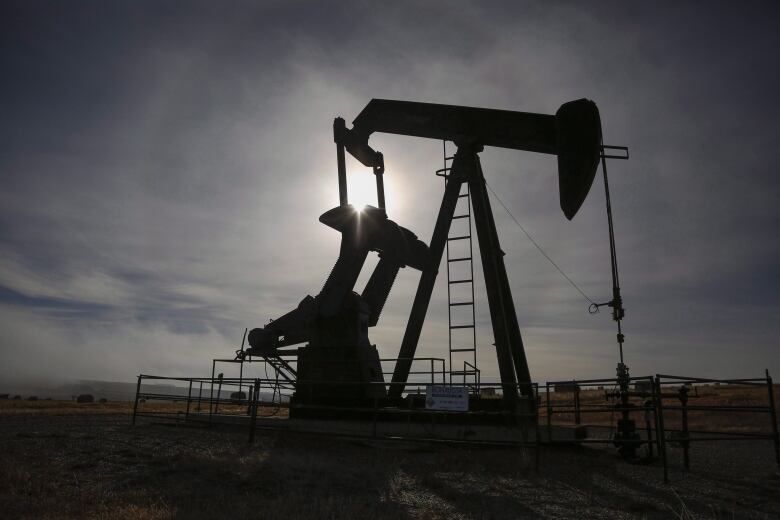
361 189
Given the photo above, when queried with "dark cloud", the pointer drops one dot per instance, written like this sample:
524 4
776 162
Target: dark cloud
164 163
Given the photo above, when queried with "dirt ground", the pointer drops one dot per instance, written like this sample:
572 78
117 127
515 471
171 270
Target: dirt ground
96 465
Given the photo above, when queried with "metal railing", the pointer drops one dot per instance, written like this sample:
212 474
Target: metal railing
666 409
430 370
207 394
599 405
658 421
199 404
196 396
687 389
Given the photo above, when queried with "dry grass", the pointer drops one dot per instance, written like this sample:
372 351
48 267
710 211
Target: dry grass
63 460
99 467
20 407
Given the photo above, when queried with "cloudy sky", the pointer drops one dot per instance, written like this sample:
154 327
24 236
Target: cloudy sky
163 166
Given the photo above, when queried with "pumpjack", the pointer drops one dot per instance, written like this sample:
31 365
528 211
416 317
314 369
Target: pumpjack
338 364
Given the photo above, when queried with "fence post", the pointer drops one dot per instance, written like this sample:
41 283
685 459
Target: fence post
537 402
376 407
661 435
577 415
219 394
241 375
649 428
549 414
277 389
189 398
137 391
685 443
773 414
211 391
253 421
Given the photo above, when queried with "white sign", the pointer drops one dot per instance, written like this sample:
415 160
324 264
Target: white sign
444 397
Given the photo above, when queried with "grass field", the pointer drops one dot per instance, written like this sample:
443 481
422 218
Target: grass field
23 407
64 460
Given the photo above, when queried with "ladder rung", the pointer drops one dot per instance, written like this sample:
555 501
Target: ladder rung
461 303
463 195
461 259
463 372
462 237
462 349
453 282
461 326
466 215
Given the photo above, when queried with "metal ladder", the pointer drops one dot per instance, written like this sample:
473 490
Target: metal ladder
465 352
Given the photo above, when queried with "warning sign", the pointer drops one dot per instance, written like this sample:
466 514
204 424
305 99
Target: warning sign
443 397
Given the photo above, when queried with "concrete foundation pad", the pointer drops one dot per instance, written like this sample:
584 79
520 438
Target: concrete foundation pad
401 429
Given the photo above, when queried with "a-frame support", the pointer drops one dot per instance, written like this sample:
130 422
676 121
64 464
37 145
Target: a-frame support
512 364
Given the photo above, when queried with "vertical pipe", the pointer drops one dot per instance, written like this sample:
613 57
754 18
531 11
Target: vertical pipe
200 400
773 413
137 391
339 129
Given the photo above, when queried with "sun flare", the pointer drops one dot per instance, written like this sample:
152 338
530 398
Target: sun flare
361 189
